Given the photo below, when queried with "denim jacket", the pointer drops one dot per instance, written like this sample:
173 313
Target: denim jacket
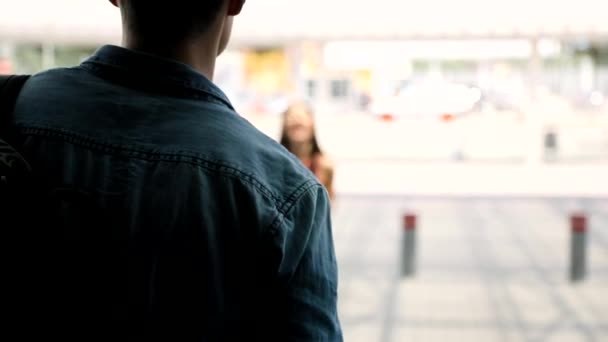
179 219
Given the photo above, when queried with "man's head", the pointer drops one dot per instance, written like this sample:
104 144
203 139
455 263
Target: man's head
172 22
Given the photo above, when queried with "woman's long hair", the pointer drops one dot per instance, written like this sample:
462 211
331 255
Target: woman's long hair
316 149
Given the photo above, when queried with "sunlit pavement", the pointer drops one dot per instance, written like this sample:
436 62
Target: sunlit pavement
471 179
485 154
480 137
487 270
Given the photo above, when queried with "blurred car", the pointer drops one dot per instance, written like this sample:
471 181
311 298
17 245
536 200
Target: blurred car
504 101
593 100
427 99
249 103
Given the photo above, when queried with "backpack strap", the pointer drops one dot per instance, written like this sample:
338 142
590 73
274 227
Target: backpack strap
10 86
11 162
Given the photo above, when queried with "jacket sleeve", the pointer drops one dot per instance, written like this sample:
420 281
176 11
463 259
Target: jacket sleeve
308 273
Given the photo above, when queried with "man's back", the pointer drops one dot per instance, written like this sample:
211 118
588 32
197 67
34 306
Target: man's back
173 211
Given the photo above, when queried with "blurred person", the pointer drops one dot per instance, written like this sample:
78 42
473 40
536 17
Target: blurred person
169 216
6 66
299 137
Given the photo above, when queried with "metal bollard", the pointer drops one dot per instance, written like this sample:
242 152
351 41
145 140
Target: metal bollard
408 246
551 145
578 247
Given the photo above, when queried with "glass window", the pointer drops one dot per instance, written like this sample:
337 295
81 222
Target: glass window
340 88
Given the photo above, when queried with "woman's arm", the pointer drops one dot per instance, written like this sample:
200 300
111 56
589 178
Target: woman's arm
326 176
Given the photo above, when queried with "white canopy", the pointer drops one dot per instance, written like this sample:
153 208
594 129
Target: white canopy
280 21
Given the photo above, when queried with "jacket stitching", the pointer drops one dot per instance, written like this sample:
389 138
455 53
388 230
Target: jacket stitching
180 156
290 204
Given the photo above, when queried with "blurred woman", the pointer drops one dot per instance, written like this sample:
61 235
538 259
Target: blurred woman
299 138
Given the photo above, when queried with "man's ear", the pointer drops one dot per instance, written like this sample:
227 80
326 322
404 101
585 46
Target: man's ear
234 7
115 3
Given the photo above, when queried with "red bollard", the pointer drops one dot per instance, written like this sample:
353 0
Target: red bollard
408 245
578 247
409 222
578 222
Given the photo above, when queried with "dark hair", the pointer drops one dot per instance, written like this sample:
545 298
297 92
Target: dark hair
170 20
316 149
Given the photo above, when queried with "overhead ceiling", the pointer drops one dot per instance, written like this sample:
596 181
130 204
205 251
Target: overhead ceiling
280 21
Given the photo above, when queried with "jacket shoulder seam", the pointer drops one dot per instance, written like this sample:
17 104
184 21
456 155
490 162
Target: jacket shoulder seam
291 202
178 156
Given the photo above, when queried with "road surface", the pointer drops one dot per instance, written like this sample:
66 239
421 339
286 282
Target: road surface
488 270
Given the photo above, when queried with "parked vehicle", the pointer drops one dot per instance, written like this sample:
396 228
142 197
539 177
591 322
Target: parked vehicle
427 99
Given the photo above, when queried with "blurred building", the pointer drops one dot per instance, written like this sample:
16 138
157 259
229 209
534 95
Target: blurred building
341 53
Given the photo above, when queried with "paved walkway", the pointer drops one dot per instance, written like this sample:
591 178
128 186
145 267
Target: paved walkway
471 179
488 270
417 156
